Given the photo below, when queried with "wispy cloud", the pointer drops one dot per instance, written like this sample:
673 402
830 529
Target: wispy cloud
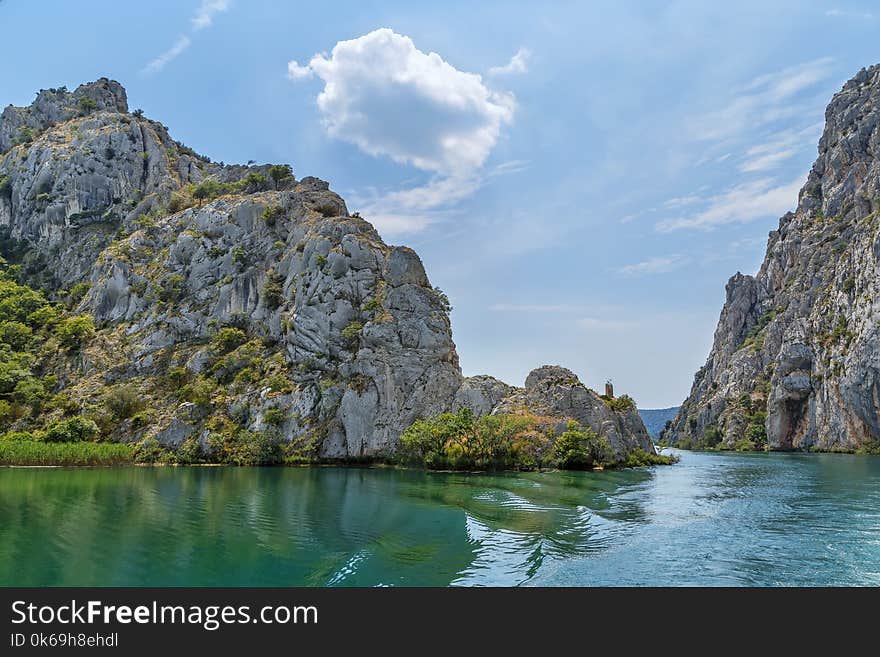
534 308
779 148
656 265
765 99
843 13
681 201
169 55
749 201
517 65
409 211
203 18
600 324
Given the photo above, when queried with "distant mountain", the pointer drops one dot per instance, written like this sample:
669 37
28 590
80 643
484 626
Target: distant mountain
656 418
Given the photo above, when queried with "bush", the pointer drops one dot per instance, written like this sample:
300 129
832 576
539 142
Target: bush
621 404
78 291
247 448
443 299
87 105
74 430
462 441
172 288
149 451
580 449
271 214
639 458
73 332
273 291
199 392
123 402
227 339
274 416
352 333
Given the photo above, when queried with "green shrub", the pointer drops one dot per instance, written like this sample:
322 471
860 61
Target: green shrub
149 451
620 404
273 291
239 256
78 291
74 332
639 458
200 392
271 213
462 441
74 430
352 333
274 416
123 402
87 105
246 448
443 300
172 288
580 449
227 339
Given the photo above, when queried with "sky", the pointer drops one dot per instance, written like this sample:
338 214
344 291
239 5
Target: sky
581 178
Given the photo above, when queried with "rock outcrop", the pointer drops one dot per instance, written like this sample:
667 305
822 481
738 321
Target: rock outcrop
795 362
556 392
235 298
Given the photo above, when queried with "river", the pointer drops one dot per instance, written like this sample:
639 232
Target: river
712 519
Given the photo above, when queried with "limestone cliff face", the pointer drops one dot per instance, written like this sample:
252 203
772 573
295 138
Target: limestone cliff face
796 355
262 304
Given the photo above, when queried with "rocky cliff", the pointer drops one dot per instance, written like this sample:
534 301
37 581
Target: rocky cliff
795 362
230 298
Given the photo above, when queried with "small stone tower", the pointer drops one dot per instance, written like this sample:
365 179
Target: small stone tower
609 390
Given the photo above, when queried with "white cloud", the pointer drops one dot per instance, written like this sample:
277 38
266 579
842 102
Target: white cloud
202 19
389 98
656 265
173 52
597 324
742 203
536 308
843 13
681 201
779 148
765 99
518 64
204 15
412 210
297 72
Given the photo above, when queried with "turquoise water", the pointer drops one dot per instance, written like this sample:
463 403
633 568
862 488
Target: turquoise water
713 519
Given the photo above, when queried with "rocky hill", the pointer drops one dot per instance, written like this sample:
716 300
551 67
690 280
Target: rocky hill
795 362
188 303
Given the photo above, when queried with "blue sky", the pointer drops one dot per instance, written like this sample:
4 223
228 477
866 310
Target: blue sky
581 178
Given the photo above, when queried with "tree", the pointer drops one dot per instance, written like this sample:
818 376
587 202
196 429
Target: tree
280 173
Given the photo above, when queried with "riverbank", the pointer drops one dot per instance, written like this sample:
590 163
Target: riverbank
28 453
